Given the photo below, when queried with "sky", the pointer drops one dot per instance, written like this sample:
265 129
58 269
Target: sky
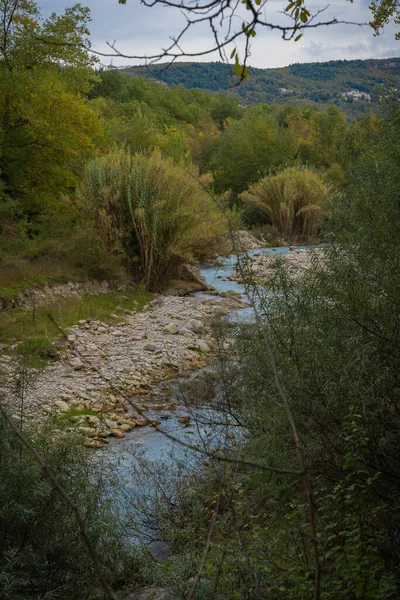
139 30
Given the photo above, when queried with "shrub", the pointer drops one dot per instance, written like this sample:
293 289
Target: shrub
152 211
292 200
42 554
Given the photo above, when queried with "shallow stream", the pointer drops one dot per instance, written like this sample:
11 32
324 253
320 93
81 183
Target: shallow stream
145 455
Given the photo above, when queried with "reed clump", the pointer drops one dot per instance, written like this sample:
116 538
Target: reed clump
153 213
292 199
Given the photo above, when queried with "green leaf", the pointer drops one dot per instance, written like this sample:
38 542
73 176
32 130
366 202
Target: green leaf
296 39
233 52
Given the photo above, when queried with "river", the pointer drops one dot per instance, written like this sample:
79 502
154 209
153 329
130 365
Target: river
147 465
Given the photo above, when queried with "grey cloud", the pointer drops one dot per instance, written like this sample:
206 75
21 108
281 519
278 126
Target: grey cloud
141 30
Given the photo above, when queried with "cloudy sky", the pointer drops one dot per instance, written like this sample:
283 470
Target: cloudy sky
139 30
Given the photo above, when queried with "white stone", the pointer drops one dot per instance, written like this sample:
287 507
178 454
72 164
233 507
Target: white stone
62 405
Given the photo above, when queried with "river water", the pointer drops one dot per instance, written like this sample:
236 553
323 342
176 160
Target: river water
147 465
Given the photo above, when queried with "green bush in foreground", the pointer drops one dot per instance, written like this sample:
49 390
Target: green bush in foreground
42 554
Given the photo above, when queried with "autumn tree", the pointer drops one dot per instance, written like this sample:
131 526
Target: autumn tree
47 123
250 149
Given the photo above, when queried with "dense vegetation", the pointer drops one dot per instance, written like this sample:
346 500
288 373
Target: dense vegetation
322 83
335 338
105 175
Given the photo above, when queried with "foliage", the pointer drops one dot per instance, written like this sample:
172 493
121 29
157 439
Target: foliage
47 130
383 12
151 207
47 124
27 41
335 337
250 149
321 83
41 549
292 199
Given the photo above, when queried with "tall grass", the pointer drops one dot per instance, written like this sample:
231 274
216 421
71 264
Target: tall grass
152 211
292 200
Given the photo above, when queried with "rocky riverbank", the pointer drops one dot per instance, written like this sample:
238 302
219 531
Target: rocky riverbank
264 267
101 366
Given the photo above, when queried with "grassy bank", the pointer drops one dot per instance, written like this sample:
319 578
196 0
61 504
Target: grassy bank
35 330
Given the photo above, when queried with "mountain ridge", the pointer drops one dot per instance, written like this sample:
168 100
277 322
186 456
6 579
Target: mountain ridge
322 83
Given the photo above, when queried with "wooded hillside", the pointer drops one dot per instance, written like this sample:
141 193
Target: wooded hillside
322 83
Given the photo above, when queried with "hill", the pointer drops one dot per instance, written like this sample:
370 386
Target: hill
324 83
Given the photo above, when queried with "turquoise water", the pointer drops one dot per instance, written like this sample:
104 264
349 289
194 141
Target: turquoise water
147 465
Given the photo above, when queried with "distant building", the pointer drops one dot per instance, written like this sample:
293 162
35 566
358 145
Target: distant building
356 95
285 92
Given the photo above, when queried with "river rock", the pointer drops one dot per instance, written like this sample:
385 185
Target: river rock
88 431
118 433
142 422
62 405
93 420
231 294
95 443
76 363
111 424
150 347
184 420
195 326
171 328
125 427
203 346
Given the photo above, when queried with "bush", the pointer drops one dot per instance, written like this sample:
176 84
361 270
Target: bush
42 554
292 200
152 211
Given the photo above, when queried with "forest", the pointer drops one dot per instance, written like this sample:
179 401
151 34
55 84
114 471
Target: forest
319 83
120 195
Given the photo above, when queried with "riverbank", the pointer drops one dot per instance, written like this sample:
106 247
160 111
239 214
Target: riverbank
101 365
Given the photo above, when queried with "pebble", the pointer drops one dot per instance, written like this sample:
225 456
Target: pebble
150 347
62 405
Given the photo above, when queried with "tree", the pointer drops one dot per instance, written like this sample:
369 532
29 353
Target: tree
47 123
27 41
250 149
384 11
